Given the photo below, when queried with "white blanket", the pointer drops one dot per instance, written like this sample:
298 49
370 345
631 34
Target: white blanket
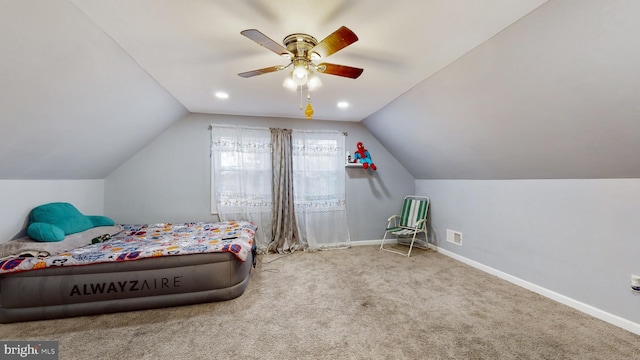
27 246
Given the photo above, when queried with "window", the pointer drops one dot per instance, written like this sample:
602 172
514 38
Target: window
241 182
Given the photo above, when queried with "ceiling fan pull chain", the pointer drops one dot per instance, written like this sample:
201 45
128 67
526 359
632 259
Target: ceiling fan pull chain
308 112
300 97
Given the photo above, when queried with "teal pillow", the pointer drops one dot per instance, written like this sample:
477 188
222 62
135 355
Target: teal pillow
45 232
63 215
98 220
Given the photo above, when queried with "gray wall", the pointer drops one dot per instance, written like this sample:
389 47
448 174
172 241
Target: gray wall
573 237
20 196
553 96
169 180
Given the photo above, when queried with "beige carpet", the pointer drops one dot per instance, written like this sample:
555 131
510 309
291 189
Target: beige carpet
359 303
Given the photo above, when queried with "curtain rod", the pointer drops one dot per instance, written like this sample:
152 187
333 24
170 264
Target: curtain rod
237 127
321 131
265 128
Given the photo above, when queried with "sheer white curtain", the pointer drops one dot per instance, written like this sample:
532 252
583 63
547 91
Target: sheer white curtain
241 161
242 177
319 188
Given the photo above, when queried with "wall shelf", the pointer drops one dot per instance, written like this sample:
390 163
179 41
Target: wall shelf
353 165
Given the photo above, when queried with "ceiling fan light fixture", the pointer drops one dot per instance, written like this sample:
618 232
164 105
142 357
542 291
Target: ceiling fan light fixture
314 81
300 70
289 83
300 73
300 81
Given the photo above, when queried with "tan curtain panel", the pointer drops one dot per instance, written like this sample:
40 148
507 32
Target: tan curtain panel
284 229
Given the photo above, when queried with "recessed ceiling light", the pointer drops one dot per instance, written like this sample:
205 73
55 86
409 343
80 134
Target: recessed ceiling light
221 95
343 104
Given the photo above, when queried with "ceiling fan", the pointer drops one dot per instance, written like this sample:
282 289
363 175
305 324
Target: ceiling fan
302 50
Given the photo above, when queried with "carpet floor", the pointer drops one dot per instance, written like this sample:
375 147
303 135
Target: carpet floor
358 303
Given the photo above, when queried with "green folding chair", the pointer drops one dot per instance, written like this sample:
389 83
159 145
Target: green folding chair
411 222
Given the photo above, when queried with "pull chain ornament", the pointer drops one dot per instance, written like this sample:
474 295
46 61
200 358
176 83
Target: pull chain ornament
309 110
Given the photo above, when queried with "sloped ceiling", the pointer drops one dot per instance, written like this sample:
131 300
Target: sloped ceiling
73 105
88 83
556 95
454 89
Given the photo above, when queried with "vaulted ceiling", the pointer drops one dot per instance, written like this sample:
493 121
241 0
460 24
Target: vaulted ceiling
467 89
556 95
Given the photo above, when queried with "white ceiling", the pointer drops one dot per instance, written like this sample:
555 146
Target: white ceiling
485 89
85 84
194 48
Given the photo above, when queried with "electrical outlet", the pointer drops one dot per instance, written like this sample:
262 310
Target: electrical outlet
454 237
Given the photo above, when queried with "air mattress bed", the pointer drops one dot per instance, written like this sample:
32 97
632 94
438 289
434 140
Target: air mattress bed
139 267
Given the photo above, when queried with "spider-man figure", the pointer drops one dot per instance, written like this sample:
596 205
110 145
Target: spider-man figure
362 156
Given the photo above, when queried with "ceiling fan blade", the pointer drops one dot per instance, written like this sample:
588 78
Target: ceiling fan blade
338 40
339 70
264 40
248 74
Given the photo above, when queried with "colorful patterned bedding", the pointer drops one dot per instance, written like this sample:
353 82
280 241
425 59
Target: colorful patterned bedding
146 241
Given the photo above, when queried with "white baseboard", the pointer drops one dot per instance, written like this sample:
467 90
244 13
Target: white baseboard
587 309
370 242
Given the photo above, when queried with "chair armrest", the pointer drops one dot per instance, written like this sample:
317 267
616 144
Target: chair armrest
393 219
